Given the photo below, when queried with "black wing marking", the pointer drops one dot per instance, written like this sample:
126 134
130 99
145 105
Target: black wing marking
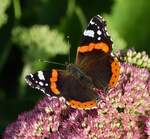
40 81
96 32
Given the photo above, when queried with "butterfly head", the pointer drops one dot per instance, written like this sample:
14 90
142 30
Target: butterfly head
73 69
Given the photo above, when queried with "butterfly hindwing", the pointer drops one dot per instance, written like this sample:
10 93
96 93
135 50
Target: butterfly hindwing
104 70
62 83
76 94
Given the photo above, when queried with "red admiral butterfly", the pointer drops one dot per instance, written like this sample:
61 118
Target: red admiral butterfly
94 68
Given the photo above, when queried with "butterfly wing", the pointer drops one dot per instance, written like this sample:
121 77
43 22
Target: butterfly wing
95 40
93 55
61 83
41 80
76 94
96 32
104 71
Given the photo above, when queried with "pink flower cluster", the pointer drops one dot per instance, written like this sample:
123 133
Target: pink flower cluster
147 127
120 114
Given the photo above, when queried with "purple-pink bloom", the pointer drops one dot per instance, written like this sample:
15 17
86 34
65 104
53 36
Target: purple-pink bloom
120 113
147 126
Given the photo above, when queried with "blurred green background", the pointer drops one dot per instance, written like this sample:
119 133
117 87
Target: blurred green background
41 29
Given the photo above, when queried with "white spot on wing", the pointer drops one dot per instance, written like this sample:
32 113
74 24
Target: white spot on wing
42 90
46 84
99 32
40 83
99 38
47 94
89 33
41 75
107 33
91 22
99 16
37 87
105 29
31 75
28 82
111 39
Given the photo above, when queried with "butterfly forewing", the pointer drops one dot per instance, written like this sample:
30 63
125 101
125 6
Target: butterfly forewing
94 39
40 81
93 54
96 32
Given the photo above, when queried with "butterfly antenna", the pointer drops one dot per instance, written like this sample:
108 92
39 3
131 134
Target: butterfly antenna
51 62
69 48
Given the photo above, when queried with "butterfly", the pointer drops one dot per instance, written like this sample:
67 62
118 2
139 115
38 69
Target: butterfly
94 68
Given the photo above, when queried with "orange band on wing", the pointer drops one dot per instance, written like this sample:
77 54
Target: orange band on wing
94 46
54 73
82 105
53 80
115 69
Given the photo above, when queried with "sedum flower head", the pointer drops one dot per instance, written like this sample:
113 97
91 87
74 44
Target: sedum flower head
120 114
140 59
42 39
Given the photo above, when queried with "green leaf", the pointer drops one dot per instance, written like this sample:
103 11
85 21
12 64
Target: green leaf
4 4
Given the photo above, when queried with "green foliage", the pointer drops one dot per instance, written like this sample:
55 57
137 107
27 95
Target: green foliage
4 4
46 42
38 42
131 18
140 59
118 41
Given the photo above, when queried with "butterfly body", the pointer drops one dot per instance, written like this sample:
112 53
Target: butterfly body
77 73
94 68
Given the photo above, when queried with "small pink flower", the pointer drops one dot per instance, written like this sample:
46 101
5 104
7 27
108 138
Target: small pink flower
147 128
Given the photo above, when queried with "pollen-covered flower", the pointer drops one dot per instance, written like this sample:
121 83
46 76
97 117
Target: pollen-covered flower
120 114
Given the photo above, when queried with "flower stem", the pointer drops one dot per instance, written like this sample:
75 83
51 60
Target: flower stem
17 9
